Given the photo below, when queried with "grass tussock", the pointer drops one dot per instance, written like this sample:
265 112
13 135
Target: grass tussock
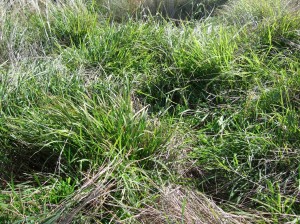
149 112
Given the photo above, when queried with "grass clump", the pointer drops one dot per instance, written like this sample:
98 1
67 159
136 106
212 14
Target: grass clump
75 134
143 120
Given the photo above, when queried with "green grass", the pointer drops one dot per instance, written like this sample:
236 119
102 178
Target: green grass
110 115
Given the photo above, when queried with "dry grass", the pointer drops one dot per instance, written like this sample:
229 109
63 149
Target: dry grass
94 195
179 205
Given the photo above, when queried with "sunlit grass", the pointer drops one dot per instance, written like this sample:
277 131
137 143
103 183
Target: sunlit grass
111 115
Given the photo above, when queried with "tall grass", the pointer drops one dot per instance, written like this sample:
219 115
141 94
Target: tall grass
109 116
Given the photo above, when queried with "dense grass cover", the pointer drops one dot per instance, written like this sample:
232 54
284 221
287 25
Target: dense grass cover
150 114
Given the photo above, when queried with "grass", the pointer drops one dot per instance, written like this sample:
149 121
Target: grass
143 114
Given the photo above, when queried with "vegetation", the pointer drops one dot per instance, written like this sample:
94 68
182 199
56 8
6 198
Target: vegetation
140 113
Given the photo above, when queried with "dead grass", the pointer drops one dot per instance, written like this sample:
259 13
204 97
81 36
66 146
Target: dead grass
179 205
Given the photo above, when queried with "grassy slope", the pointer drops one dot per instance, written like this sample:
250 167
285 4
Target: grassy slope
143 121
